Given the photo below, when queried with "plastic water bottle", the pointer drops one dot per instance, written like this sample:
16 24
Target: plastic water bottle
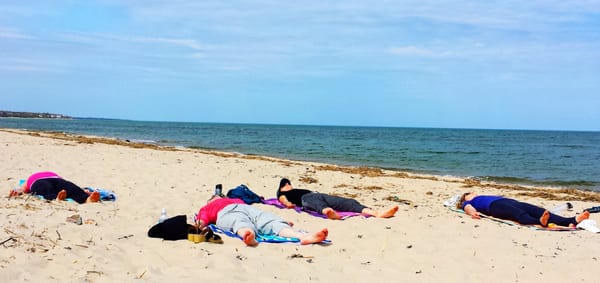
219 190
163 216
561 207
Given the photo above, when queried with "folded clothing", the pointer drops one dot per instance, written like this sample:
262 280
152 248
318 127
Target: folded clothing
174 228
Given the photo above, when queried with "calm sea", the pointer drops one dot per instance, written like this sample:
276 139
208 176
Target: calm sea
553 158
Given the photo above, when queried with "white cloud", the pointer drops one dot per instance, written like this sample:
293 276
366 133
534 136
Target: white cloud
104 38
182 42
419 52
12 34
29 66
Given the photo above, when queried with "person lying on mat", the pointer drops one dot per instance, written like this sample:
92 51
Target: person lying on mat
234 215
510 209
51 186
324 203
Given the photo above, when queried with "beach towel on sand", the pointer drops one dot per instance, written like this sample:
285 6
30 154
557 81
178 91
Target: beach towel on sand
105 195
342 214
260 237
451 204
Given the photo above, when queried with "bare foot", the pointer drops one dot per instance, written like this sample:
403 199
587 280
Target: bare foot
62 195
583 216
331 214
94 197
314 238
387 213
248 237
545 217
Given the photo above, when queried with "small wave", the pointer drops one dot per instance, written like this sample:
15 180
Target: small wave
451 152
569 146
581 184
141 141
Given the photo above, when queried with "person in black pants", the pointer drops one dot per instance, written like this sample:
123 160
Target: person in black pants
326 204
51 186
510 209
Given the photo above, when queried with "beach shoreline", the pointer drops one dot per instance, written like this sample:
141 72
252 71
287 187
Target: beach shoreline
530 158
423 242
546 192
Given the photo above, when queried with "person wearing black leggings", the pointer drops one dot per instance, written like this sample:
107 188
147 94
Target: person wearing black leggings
510 209
326 204
51 186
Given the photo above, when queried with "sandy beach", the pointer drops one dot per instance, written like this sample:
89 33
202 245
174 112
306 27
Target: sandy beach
424 242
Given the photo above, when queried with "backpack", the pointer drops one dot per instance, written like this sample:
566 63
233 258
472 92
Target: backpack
244 193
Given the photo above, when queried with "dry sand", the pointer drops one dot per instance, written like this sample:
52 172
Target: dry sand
424 242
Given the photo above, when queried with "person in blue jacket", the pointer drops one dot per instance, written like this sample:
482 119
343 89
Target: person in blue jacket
510 209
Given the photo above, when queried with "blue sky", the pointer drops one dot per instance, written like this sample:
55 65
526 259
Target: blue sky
450 64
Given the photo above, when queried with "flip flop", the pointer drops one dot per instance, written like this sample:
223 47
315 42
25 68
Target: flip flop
210 236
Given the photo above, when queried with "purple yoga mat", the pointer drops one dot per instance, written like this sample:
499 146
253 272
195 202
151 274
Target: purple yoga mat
342 214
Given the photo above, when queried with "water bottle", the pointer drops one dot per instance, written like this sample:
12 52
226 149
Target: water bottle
219 190
163 216
561 207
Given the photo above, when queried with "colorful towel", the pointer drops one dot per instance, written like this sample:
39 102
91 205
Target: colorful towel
105 195
261 238
342 214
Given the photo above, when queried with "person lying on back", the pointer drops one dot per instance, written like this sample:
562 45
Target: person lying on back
326 204
234 215
510 209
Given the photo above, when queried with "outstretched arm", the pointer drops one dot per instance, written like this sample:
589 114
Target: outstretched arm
470 210
286 202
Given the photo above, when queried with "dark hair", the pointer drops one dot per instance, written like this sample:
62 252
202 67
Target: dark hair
460 202
284 182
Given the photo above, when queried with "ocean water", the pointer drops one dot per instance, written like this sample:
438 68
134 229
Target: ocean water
547 158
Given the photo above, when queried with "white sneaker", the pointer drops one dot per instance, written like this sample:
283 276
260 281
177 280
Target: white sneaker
590 225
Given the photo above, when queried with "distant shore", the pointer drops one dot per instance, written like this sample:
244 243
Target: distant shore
13 114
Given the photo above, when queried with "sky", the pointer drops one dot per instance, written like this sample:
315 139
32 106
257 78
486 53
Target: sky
442 64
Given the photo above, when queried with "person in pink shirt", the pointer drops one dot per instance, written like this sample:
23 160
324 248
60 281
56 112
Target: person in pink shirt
51 186
246 221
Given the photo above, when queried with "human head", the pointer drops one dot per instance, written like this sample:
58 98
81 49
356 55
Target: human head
459 203
467 196
284 182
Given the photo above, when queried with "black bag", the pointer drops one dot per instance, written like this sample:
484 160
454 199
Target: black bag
244 193
174 228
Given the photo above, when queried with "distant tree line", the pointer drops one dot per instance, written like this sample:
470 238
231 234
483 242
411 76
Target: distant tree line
31 115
